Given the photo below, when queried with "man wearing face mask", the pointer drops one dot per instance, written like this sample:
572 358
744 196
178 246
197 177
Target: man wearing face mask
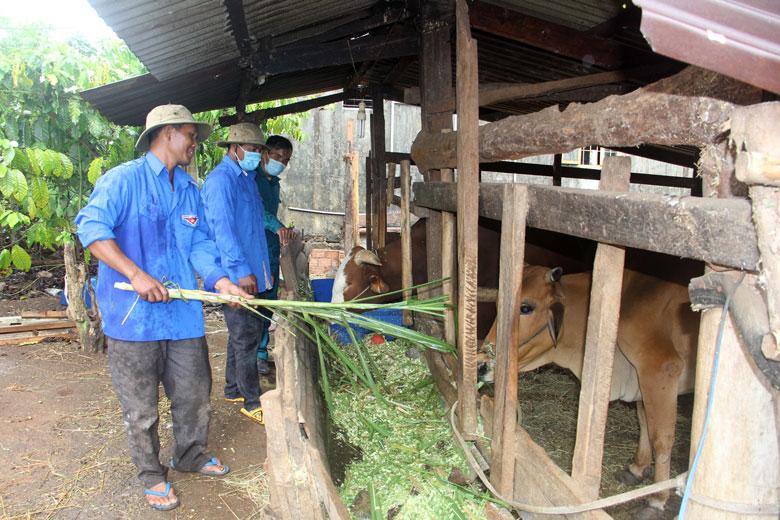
234 212
274 160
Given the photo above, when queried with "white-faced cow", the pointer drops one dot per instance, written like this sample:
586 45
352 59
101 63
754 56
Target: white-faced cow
364 273
654 362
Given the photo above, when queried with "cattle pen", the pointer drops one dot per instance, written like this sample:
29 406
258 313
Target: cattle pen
497 83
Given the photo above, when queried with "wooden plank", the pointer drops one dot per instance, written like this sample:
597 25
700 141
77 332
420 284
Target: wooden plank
43 314
509 298
39 325
600 344
390 183
449 264
713 230
539 481
406 235
467 87
545 35
32 338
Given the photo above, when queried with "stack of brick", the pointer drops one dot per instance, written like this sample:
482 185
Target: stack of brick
323 263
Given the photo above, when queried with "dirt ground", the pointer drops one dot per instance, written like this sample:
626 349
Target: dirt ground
63 448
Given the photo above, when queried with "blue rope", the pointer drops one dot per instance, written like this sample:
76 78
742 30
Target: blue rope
710 400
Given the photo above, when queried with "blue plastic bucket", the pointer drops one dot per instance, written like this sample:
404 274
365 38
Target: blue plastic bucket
323 289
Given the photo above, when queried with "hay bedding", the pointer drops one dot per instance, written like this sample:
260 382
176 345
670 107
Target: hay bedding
549 399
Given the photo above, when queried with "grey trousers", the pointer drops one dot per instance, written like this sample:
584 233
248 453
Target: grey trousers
241 379
137 369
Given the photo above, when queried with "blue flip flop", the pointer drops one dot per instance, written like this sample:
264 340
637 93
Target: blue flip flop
212 462
166 493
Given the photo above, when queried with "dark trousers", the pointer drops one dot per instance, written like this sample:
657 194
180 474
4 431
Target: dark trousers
241 378
271 294
137 369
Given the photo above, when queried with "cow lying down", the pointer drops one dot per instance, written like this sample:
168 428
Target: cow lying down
655 360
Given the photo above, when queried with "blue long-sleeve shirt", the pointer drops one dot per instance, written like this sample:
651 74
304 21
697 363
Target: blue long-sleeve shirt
269 191
234 211
164 232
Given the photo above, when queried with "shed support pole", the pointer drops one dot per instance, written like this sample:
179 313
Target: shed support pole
600 343
378 154
435 82
509 297
369 205
467 90
351 231
406 236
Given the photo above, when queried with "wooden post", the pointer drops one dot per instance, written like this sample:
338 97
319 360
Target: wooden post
351 231
739 461
556 178
449 265
370 226
467 89
378 154
510 281
406 235
436 83
390 183
600 342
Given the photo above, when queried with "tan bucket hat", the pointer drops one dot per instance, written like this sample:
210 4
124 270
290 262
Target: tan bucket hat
170 115
244 133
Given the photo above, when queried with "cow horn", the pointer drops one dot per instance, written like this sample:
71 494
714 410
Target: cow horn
364 256
554 275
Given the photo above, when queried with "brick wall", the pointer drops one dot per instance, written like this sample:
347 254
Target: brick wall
323 263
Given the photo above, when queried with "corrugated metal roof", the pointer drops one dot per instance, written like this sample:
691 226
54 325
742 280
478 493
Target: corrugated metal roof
173 37
581 15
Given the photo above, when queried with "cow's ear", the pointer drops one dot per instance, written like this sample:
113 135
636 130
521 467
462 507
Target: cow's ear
378 286
554 275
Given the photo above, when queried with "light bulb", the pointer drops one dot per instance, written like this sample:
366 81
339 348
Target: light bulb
361 119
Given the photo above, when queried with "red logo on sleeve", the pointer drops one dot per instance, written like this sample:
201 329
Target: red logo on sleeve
192 220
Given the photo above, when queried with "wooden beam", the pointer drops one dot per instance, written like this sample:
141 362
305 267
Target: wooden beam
370 223
502 473
467 86
236 24
719 231
600 344
342 52
583 47
291 108
492 93
658 114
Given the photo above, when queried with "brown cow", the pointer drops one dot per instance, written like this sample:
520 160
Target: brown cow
364 273
654 362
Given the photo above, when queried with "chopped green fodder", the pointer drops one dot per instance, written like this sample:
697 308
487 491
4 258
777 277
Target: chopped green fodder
407 446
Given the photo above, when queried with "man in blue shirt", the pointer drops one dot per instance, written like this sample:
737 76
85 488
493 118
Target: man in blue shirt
234 212
274 160
144 223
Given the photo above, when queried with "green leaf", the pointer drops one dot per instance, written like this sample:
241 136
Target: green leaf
20 258
20 184
20 161
3 170
95 170
40 192
13 185
74 109
34 161
67 166
5 259
49 161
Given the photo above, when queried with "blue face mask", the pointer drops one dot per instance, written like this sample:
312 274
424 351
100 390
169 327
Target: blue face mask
250 162
274 168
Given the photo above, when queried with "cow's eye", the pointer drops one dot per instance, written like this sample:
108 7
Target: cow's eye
526 308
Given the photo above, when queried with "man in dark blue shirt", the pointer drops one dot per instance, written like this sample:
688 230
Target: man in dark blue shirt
274 160
144 222
234 212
